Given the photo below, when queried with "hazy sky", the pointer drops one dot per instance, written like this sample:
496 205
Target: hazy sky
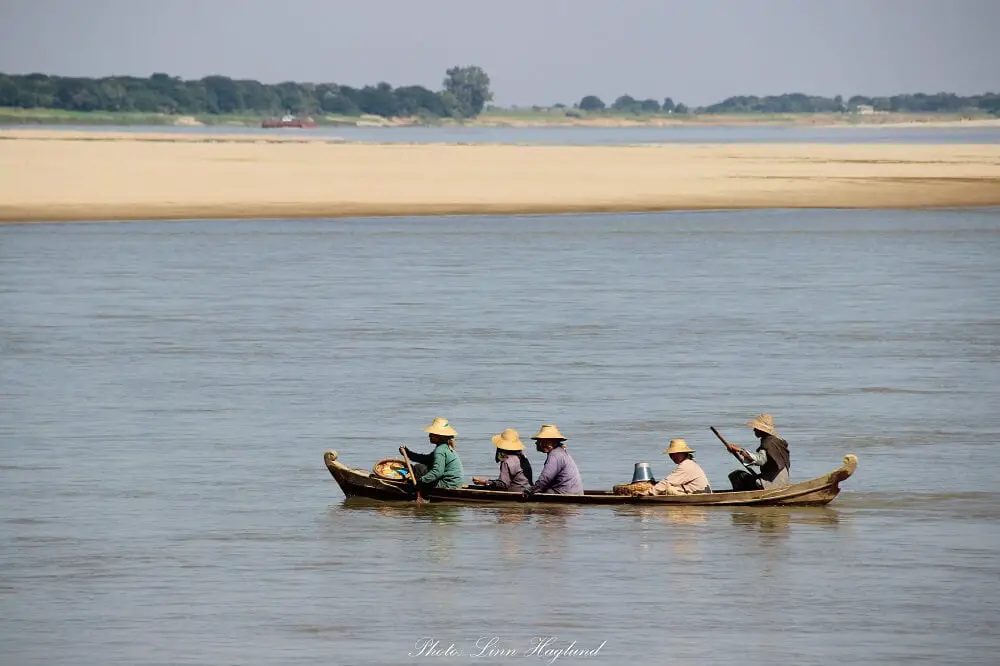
535 51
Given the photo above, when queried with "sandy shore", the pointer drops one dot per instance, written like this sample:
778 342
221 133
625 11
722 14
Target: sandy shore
55 175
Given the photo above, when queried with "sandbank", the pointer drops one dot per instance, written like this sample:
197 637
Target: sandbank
50 175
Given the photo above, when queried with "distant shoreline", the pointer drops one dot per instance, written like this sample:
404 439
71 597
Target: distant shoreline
514 118
812 120
61 175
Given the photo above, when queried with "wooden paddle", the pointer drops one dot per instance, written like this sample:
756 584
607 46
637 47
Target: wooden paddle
735 455
413 477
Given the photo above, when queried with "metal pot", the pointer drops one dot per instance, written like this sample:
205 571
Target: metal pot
643 472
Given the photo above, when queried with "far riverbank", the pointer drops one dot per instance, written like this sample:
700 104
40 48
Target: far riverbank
512 118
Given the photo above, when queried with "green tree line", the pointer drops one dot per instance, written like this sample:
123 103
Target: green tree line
464 94
465 91
800 103
915 103
628 104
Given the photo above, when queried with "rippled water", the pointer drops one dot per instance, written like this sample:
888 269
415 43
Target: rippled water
167 391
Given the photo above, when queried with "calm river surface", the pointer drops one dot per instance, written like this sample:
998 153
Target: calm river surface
167 391
587 136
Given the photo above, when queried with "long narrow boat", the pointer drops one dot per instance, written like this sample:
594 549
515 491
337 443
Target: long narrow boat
356 482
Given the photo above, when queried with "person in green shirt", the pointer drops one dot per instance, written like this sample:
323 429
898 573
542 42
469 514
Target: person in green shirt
445 468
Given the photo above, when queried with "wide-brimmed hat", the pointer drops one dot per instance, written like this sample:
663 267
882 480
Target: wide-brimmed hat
549 432
508 440
764 423
441 426
678 446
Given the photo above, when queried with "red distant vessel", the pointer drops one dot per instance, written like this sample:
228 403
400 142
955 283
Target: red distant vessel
288 120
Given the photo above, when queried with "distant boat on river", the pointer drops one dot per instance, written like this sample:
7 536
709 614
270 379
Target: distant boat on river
288 120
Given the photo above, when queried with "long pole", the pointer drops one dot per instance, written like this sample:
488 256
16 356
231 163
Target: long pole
735 455
413 478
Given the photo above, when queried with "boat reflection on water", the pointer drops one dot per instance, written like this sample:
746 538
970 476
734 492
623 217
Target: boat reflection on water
503 514
778 520
693 515
429 511
685 526
552 515
499 522
765 519
510 515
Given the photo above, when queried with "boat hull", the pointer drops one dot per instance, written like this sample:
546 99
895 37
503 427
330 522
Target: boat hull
295 124
356 482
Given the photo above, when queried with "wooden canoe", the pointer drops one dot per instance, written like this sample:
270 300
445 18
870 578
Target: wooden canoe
356 482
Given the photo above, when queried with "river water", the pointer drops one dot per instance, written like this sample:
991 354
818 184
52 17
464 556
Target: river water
586 136
167 391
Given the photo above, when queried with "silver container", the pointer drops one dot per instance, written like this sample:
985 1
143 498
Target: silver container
643 472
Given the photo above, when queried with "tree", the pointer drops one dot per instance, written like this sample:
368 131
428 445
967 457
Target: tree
990 102
591 103
649 106
9 92
681 108
75 95
668 105
379 100
854 101
260 97
470 86
787 103
881 103
453 107
625 103
223 94
338 103
416 100
353 95
296 97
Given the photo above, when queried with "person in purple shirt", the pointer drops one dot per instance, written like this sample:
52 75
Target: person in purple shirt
560 474
515 470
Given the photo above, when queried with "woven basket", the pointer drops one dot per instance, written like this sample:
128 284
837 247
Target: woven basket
632 488
393 469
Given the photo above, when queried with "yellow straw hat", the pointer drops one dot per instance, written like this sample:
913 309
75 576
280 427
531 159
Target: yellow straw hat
508 440
441 426
764 423
549 432
678 446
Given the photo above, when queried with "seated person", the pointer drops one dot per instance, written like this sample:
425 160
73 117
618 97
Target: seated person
515 470
445 467
687 478
560 474
772 457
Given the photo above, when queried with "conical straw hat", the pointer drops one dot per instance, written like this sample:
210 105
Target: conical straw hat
764 423
441 426
508 440
678 446
549 432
